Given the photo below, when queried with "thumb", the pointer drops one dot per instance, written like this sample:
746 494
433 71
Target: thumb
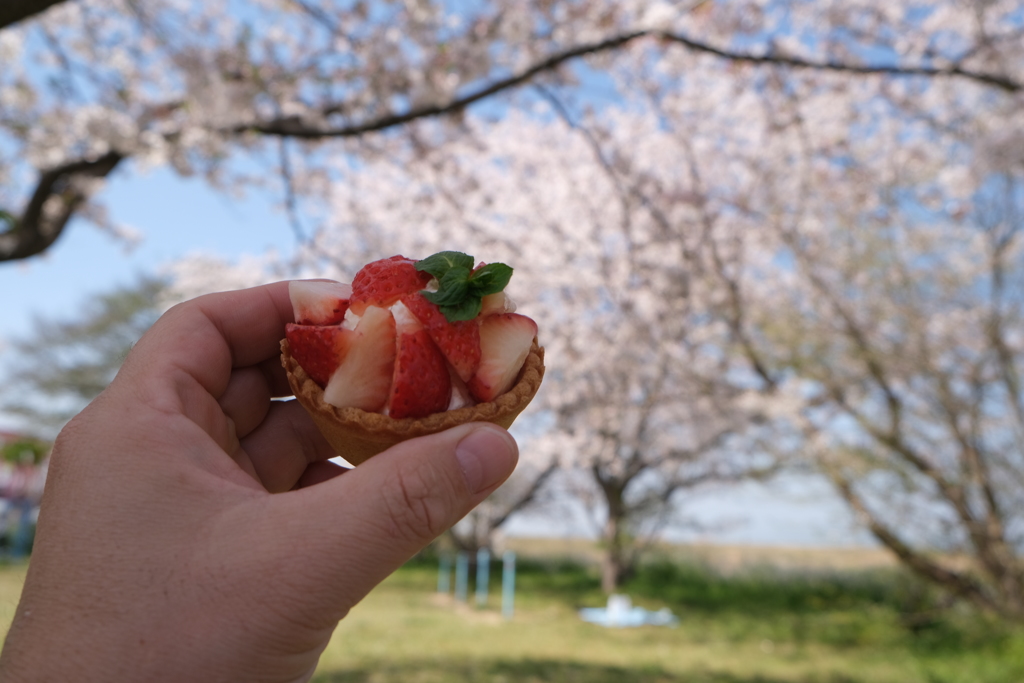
366 523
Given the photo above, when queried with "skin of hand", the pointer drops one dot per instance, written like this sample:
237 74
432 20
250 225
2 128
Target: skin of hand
192 529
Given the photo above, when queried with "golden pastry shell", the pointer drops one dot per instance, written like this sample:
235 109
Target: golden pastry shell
357 435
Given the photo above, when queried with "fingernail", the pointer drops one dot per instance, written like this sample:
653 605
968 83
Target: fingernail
487 456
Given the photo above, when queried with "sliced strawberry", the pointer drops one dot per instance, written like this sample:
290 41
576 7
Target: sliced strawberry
505 341
319 302
364 379
318 349
421 384
459 341
384 282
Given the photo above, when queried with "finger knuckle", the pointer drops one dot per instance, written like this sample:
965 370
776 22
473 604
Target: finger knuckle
416 505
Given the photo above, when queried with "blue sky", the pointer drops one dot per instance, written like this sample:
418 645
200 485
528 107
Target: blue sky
174 216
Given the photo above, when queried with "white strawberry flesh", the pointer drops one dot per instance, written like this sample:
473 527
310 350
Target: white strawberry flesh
319 302
364 380
460 392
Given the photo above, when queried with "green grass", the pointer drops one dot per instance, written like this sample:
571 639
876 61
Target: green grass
755 626
12 576
758 626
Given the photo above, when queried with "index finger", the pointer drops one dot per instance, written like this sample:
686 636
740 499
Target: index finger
209 336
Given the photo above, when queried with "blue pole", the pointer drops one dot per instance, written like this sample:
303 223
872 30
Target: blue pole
483 573
461 576
508 584
444 573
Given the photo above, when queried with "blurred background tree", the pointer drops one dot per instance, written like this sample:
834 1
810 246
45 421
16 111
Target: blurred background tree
24 450
527 490
90 85
64 364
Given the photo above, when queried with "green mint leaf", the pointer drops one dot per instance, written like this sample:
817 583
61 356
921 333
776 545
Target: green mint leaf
490 279
443 261
460 290
452 288
467 310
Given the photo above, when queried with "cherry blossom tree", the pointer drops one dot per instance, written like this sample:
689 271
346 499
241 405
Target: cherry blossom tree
899 322
90 86
863 241
640 398
773 217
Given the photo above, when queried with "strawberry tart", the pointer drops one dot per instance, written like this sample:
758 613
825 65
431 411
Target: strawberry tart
409 348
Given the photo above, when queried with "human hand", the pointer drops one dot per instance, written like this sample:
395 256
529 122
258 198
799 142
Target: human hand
193 530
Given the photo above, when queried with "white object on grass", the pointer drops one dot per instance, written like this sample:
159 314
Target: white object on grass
620 613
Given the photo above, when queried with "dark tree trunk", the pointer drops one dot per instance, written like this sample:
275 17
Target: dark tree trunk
617 563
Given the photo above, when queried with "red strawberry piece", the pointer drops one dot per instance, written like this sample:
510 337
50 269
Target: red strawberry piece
319 302
364 379
421 384
458 341
384 282
505 341
318 349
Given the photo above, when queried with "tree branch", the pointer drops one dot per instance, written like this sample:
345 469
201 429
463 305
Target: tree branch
527 497
13 11
959 583
58 194
294 126
1002 82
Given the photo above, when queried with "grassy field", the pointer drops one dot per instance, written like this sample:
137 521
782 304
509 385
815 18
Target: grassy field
755 623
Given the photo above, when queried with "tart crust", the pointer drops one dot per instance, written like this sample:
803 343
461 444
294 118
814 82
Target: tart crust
357 435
